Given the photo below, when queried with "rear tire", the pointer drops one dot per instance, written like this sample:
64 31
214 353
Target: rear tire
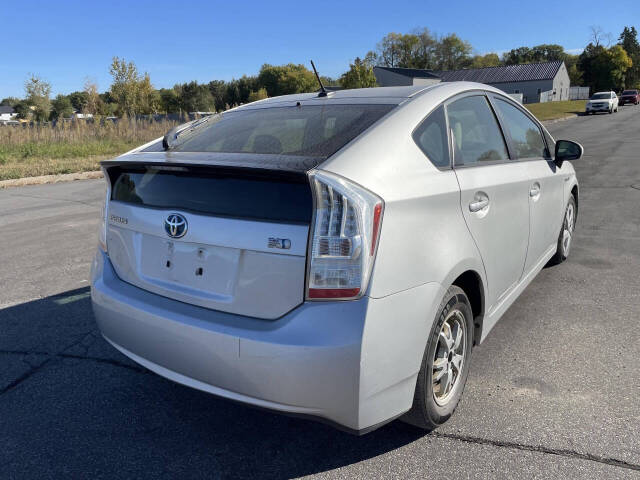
566 233
445 363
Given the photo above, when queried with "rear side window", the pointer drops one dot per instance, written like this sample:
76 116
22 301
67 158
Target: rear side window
476 136
306 130
525 134
431 137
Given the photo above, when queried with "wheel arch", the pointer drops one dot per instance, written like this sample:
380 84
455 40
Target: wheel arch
470 278
574 192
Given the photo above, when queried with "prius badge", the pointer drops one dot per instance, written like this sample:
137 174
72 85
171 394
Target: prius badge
175 225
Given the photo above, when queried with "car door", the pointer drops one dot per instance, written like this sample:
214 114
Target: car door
493 192
527 145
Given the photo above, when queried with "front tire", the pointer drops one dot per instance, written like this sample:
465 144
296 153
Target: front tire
445 363
566 232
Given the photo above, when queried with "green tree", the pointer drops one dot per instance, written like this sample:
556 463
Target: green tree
23 109
92 105
286 79
78 100
148 98
619 63
483 61
37 92
61 107
261 94
217 89
575 74
9 102
517 56
194 97
169 101
359 75
130 90
452 53
538 54
108 105
604 68
410 50
629 41
424 49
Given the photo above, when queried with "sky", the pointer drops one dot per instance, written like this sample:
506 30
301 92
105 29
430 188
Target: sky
66 42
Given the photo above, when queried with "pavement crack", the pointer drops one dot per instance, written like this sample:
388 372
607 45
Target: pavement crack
35 368
107 361
540 449
25 376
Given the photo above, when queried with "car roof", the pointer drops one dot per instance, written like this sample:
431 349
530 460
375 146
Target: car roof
391 93
377 95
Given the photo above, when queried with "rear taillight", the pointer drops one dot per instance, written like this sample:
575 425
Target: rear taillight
102 234
346 227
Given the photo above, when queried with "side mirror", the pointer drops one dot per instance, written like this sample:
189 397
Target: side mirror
567 150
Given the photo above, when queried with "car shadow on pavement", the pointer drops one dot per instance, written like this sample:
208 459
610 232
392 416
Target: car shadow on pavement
64 389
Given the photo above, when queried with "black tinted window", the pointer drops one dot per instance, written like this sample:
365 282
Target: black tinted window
218 194
431 137
311 130
475 131
525 134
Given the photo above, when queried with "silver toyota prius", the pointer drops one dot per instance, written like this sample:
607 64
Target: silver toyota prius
333 256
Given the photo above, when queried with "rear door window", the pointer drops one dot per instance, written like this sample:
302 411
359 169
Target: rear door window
431 137
476 135
525 135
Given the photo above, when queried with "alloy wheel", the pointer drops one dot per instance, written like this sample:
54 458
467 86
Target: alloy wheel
449 357
567 232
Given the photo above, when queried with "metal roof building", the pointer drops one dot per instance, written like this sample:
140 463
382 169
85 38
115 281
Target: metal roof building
532 80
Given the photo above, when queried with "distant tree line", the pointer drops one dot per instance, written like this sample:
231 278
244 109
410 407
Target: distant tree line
601 66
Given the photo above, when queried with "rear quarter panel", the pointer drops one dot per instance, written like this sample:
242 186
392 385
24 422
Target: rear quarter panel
424 237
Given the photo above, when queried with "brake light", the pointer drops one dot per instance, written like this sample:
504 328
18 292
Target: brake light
102 233
346 228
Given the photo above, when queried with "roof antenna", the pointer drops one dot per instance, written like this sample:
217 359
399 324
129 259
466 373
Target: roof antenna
323 91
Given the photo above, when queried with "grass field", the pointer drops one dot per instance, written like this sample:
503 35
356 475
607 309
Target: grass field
70 146
553 110
79 146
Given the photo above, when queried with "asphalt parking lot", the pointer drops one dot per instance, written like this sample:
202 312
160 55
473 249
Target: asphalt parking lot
553 392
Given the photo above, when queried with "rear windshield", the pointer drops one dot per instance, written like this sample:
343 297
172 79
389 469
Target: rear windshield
630 92
599 96
307 130
225 194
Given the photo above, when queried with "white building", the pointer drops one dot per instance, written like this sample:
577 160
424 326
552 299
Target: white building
7 113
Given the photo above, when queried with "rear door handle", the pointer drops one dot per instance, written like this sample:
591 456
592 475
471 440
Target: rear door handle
535 191
478 205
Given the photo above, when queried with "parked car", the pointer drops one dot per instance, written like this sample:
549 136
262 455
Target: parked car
602 102
630 96
333 256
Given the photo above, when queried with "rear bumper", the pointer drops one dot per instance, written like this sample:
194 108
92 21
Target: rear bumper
351 363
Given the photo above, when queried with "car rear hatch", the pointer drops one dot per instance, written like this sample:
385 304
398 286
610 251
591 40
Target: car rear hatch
226 238
218 213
